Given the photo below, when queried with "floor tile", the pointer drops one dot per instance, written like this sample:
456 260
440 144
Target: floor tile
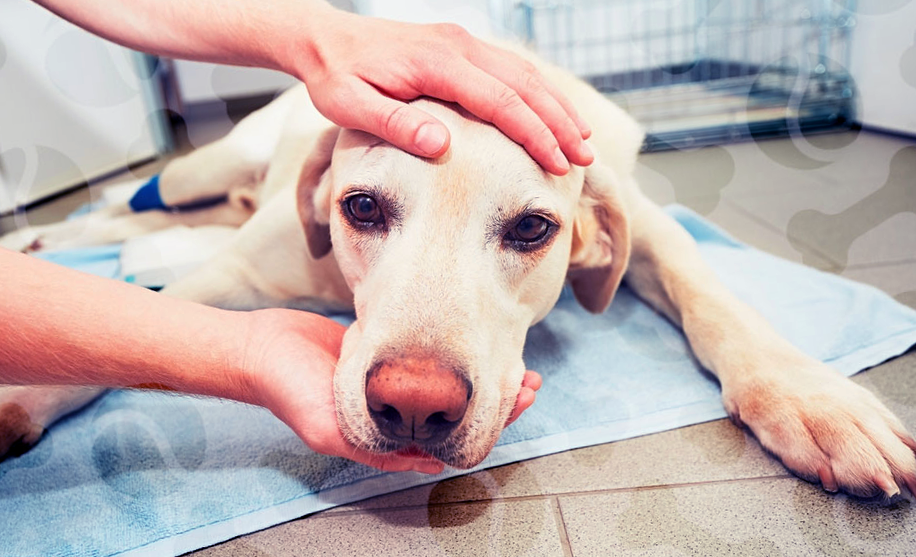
705 452
898 280
757 233
775 166
57 209
863 223
894 383
719 206
863 159
714 451
676 176
521 528
752 518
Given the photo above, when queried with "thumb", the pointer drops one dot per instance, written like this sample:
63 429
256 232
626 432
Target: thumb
390 462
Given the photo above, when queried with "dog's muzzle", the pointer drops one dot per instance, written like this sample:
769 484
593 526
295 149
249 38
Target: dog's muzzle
416 401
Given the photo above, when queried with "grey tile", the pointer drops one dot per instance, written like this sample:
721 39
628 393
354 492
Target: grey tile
714 451
754 232
705 452
521 528
740 223
863 160
846 199
57 209
677 176
753 518
894 383
764 167
53 210
864 223
774 166
898 280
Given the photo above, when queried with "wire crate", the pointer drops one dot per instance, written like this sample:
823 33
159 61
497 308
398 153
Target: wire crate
703 72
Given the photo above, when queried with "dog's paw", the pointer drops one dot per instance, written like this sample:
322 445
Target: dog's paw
18 433
24 240
825 428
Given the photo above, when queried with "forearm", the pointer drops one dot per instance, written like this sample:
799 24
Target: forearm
64 327
241 32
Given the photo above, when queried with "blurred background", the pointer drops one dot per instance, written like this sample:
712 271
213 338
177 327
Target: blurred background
75 109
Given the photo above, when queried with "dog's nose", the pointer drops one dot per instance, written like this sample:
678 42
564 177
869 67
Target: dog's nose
416 399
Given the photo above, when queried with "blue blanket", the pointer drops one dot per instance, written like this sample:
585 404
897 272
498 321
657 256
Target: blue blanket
155 474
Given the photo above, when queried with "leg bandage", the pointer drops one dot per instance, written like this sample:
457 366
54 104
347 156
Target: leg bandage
147 197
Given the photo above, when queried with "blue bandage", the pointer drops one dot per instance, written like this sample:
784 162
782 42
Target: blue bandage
147 197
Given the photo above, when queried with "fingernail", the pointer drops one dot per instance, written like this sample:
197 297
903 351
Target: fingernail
586 152
430 138
584 129
432 469
560 160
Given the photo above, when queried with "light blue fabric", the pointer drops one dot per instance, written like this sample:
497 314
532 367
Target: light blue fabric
104 261
154 474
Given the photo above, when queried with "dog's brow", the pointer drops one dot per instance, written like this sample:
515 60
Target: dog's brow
374 144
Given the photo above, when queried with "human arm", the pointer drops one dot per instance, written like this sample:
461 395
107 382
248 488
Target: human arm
359 70
63 327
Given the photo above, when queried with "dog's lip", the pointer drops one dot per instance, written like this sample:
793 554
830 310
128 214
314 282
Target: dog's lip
413 451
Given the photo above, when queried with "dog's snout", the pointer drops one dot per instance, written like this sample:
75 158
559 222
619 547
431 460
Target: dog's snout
416 399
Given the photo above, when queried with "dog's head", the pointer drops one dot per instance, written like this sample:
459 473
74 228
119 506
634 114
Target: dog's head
450 262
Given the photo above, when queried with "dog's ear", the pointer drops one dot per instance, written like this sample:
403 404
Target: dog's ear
601 240
313 194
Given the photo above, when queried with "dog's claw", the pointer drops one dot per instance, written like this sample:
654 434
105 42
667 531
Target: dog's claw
18 433
888 486
825 473
822 425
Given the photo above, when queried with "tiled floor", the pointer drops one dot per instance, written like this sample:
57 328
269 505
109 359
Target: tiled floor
845 203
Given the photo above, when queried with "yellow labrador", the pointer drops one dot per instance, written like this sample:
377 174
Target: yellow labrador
448 262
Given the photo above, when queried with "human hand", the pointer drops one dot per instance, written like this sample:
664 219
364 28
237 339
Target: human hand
290 361
360 72
530 385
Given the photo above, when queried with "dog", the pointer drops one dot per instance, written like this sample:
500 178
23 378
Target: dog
448 262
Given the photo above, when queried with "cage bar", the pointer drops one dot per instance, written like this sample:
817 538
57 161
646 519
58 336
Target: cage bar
702 72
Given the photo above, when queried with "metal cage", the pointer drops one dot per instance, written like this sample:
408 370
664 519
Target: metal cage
702 72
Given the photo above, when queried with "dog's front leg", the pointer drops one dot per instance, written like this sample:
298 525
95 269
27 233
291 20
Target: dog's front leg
27 411
820 424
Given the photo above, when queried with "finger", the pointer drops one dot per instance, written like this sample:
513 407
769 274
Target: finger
545 100
398 123
523 401
493 101
567 105
390 462
532 380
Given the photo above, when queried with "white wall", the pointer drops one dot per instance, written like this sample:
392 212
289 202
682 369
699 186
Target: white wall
71 105
473 15
201 82
883 65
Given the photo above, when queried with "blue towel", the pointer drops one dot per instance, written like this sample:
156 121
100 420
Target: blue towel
104 261
156 474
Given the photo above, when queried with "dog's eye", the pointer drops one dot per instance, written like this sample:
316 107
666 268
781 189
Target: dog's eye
529 233
364 209
530 229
